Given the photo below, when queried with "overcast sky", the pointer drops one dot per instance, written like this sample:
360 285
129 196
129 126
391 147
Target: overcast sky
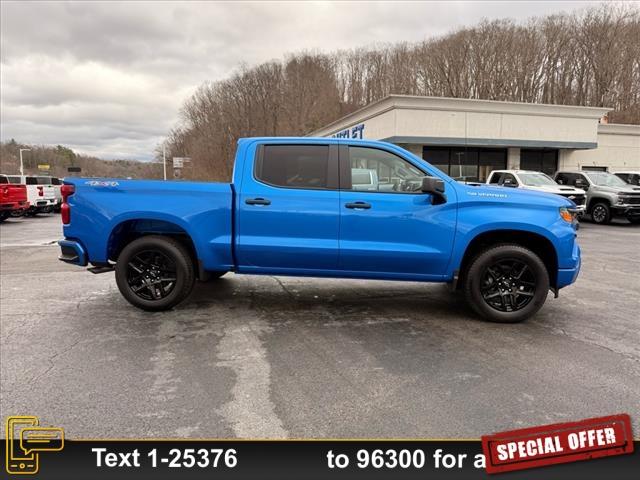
108 78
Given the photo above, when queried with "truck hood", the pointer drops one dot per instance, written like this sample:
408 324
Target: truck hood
626 189
489 193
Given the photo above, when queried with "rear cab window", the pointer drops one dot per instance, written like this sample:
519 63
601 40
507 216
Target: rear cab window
4 179
296 166
31 181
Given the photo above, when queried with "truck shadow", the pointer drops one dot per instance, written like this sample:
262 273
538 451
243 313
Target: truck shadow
284 299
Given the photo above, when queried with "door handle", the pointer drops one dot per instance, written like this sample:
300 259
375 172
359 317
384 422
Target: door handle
358 205
257 201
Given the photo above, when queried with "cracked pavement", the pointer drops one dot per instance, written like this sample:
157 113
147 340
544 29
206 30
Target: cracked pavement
256 357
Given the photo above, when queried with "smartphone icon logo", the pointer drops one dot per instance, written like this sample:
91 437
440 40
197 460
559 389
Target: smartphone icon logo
25 440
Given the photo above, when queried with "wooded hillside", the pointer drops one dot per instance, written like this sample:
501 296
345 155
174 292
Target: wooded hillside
59 158
588 58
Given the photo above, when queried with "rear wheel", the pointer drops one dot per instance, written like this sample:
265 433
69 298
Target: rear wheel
4 215
155 272
601 213
634 220
506 284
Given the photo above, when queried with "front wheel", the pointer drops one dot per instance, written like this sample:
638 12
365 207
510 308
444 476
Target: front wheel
155 273
601 213
506 284
634 220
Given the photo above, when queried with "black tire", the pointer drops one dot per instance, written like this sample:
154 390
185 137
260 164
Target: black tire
498 272
155 272
600 213
4 216
634 220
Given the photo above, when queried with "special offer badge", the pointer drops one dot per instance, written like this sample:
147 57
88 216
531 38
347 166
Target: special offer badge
558 443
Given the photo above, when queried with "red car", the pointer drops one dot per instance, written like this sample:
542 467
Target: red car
13 198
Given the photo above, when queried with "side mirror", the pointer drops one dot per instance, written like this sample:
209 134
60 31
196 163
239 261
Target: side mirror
581 184
435 187
509 183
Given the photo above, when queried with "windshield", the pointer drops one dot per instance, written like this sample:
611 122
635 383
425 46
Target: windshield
536 179
605 179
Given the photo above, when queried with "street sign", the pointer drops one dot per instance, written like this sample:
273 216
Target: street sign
178 162
44 166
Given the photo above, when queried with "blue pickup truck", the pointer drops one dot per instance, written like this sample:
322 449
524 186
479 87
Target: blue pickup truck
324 207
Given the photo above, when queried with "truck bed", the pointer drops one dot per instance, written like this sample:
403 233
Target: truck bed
103 209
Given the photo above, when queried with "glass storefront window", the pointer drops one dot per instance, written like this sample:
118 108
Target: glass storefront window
466 164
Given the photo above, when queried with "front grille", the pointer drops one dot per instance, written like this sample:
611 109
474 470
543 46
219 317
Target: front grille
578 199
635 200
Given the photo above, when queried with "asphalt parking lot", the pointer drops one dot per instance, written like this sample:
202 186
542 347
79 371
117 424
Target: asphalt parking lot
253 357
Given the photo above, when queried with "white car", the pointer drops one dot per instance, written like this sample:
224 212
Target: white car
40 193
538 181
629 176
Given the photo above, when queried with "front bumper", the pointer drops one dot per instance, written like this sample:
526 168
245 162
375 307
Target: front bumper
626 210
567 276
72 252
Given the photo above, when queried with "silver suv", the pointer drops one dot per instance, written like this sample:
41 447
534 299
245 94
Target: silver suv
607 195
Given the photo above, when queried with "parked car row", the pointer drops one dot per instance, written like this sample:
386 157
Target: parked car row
602 195
29 195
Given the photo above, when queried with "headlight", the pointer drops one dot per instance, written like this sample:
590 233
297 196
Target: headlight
568 215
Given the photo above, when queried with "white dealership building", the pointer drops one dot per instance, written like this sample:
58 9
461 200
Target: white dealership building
469 138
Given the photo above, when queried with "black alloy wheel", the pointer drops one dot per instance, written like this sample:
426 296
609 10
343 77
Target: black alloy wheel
151 275
155 272
508 285
600 213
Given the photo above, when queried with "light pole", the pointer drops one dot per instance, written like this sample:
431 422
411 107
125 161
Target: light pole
164 161
21 164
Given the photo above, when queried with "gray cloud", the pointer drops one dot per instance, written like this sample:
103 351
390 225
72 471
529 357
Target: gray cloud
108 78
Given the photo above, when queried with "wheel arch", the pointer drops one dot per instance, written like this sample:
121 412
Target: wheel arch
595 200
128 230
537 243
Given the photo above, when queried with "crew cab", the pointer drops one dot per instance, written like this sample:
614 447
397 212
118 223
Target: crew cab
608 196
532 180
40 192
293 209
13 198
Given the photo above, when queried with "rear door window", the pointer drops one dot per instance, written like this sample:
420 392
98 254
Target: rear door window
294 166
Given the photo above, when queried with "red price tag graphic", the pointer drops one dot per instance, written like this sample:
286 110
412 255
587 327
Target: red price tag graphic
558 443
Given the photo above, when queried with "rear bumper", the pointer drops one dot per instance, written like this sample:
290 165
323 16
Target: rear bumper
72 252
566 276
20 205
